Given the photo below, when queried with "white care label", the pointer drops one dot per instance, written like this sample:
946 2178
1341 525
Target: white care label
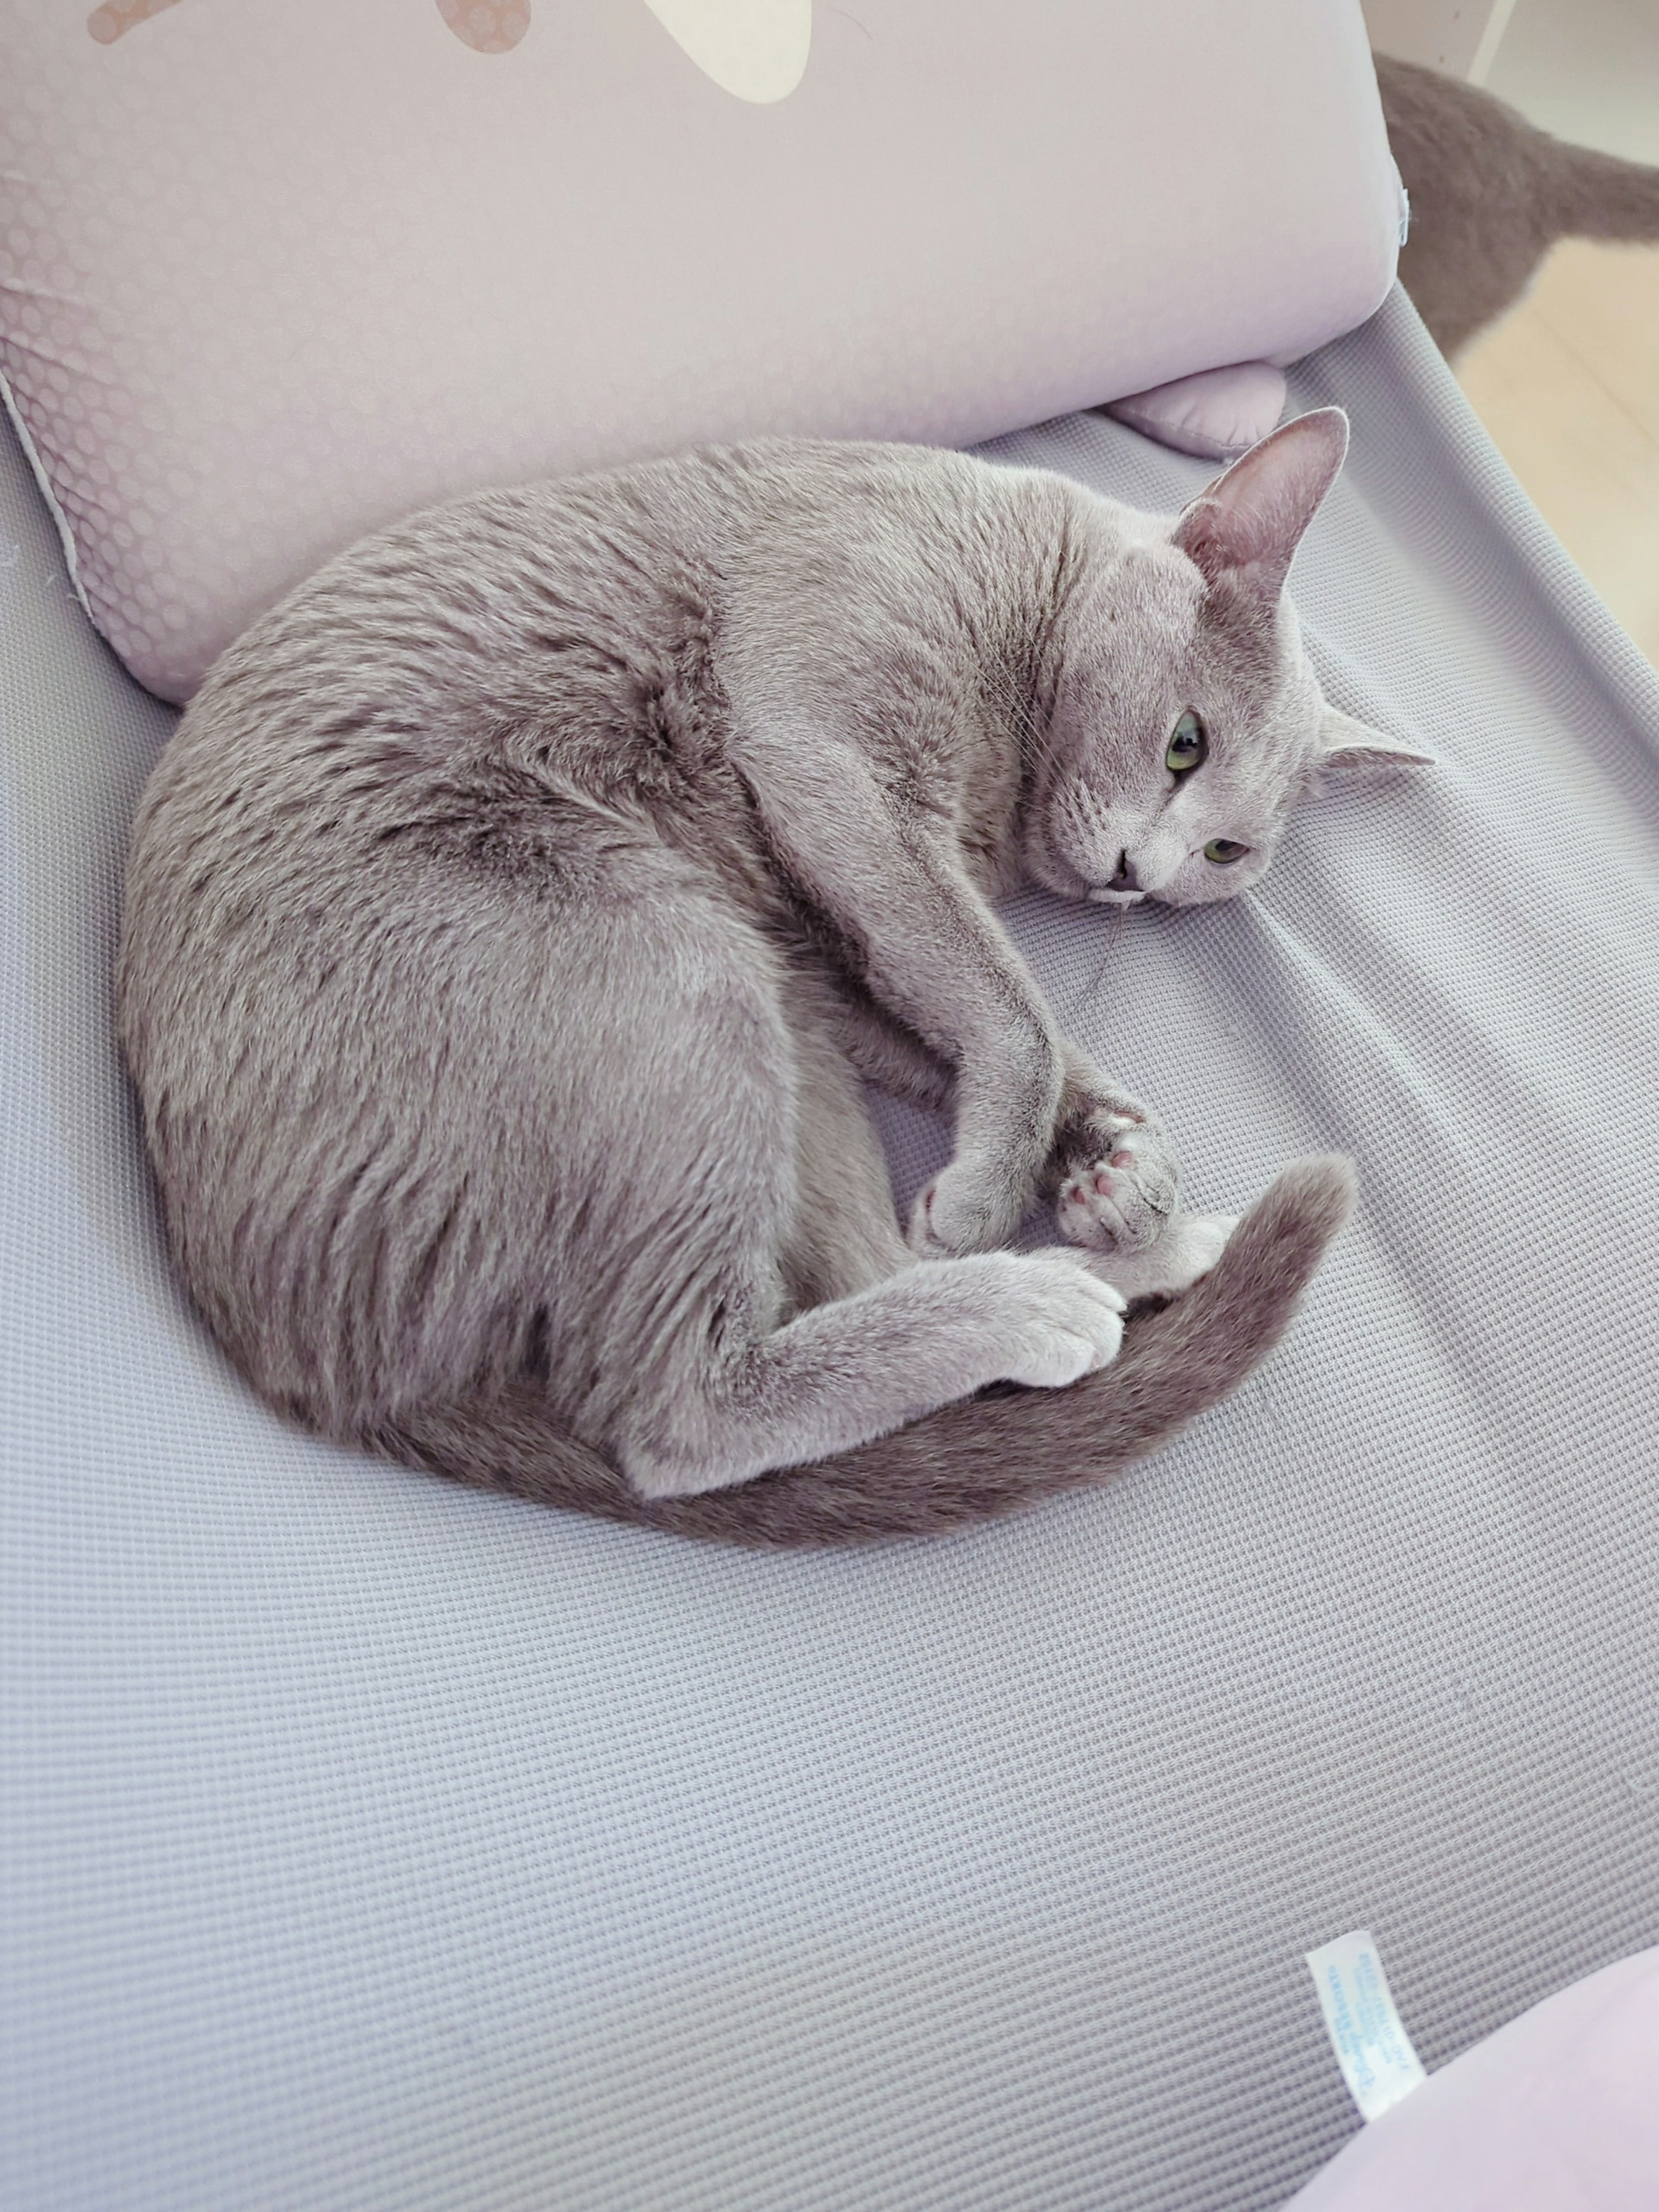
1371 2047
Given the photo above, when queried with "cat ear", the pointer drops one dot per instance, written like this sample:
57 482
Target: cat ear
1250 520
1345 744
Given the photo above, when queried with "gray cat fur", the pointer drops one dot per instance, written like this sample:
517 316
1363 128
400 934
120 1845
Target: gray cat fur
1491 194
516 908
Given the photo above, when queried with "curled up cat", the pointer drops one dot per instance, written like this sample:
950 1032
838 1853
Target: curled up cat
518 910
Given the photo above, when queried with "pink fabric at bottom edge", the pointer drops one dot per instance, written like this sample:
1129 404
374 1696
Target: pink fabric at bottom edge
1559 2112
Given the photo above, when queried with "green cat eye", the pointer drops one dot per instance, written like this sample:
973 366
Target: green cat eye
1224 851
1188 745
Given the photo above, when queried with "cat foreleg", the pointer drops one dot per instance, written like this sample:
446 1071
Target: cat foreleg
892 1057
890 877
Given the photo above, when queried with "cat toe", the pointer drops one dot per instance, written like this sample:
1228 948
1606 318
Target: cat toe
920 1234
1118 1203
1088 1212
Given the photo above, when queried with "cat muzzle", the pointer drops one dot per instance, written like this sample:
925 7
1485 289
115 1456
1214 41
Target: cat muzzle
1124 888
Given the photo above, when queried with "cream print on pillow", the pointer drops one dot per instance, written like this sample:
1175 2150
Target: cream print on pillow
755 50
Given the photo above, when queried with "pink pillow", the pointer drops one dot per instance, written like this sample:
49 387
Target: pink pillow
1556 2112
1215 413
271 275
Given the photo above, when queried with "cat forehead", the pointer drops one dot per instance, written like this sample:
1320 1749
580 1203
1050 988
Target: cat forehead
1151 627
1148 566
1145 598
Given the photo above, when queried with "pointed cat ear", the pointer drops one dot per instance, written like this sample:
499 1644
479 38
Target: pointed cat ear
1250 519
1345 744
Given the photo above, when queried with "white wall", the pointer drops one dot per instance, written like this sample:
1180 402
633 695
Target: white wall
1458 36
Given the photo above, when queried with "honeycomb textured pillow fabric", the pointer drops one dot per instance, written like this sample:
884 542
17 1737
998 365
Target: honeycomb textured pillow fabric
270 277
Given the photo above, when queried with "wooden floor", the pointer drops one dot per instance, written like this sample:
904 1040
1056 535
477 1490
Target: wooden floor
1568 384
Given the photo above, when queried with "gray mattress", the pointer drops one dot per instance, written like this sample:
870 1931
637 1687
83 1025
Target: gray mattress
374 1843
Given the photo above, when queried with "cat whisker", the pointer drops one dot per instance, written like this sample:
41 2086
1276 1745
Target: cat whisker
1035 742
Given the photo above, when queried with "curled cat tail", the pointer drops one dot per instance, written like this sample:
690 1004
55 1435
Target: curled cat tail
980 1457
1603 197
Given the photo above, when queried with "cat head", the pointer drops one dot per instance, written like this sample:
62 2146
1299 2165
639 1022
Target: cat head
1183 716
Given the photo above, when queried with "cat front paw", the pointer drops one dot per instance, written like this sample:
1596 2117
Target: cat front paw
969 1207
1189 1247
1119 1186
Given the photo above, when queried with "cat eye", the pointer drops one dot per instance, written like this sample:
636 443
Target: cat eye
1224 851
1188 745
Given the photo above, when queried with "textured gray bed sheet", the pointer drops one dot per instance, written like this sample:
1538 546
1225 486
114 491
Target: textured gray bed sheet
372 1844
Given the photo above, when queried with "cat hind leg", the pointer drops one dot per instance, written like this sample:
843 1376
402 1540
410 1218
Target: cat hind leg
803 1325
859 1367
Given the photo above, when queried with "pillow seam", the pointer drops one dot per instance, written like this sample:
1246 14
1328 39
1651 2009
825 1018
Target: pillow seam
32 454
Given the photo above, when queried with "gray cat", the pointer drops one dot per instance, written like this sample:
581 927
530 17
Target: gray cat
517 908
1491 194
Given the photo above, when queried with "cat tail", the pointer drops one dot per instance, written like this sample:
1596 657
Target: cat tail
1603 197
980 1457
